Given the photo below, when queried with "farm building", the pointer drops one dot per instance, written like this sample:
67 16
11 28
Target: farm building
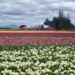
22 27
46 27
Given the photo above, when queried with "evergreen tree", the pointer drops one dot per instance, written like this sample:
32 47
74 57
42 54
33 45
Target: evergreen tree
47 22
60 23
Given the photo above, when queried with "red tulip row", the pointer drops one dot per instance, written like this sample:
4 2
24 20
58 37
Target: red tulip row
54 34
36 40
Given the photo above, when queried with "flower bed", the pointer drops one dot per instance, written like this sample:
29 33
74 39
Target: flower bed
36 40
34 60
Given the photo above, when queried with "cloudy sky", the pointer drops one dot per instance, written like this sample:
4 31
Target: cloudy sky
33 12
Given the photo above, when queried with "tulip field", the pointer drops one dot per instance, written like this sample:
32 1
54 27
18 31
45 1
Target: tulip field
37 53
40 38
37 60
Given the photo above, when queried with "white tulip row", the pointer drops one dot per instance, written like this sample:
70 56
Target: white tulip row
38 61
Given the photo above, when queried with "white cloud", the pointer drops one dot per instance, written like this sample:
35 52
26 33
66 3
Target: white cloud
32 12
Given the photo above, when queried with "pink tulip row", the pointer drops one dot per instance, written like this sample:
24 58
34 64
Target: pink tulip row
36 40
